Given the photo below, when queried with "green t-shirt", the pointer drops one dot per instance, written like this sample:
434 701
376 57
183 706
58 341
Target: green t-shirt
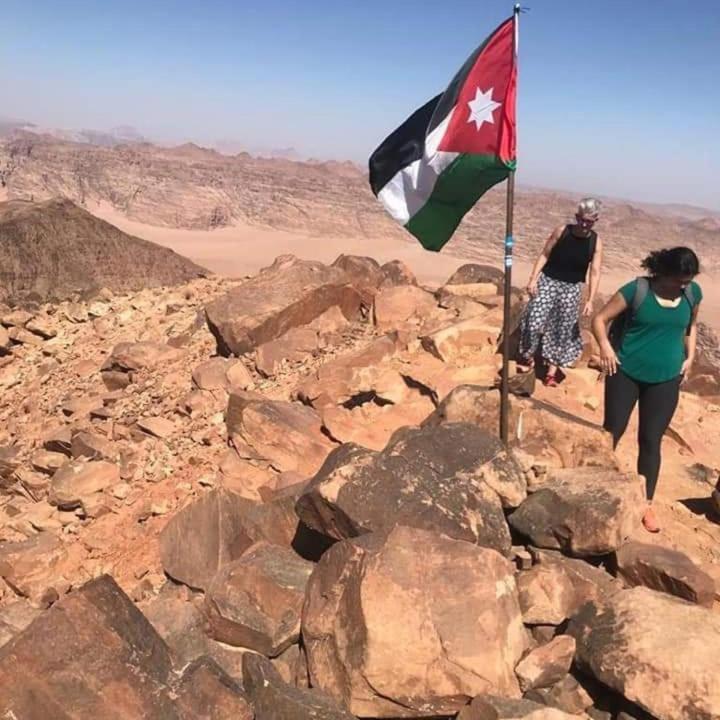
653 347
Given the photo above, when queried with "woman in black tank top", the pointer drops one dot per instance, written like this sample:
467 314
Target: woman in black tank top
552 316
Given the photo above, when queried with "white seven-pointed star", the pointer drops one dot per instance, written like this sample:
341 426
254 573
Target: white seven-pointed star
482 108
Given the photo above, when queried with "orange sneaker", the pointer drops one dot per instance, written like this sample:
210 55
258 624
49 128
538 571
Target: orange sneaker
649 521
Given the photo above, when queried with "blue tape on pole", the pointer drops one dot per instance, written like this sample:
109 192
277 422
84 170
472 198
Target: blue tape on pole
509 242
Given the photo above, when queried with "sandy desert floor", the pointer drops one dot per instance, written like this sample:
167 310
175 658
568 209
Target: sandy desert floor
244 249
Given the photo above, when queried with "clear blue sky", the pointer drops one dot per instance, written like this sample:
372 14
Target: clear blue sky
617 98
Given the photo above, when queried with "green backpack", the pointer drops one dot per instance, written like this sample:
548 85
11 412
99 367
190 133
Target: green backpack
619 326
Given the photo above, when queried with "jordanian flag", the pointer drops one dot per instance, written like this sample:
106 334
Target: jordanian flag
447 154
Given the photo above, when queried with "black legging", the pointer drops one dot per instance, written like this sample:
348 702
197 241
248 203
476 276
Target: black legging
657 405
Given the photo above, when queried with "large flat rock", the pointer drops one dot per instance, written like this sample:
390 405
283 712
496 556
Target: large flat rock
288 294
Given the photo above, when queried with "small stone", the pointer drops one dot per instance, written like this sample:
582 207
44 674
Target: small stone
121 491
547 664
157 426
160 508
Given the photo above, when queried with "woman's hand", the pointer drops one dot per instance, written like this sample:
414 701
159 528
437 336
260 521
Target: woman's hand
608 359
588 309
685 370
531 288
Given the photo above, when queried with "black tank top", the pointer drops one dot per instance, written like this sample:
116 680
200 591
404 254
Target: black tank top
571 256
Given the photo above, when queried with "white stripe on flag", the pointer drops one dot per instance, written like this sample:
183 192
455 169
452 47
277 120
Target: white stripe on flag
410 189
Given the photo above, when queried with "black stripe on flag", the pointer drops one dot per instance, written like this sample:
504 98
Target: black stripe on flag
401 148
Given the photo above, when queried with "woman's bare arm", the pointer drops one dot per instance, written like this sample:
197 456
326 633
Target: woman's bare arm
594 274
543 258
690 343
614 307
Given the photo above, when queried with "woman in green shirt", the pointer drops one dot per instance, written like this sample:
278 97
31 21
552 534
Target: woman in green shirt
651 352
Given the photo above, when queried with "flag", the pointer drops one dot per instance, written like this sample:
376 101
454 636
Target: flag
446 155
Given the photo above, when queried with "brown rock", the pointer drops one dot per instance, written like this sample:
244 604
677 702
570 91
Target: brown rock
364 272
472 273
48 462
31 567
472 334
658 651
59 440
274 699
589 583
583 511
158 427
395 273
5 342
567 695
9 461
73 483
217 529
357 375
287 435
294 346
21 336
94 447
443 479
541 429
488 707
16 318
82 406
222 374
206 692
288 294
255 601
396 306
461 631
14 618
130 357
546 665
546 595
92 654
42 327
292 666
666 570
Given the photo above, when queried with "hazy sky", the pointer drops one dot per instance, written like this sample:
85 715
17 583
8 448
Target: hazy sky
617 98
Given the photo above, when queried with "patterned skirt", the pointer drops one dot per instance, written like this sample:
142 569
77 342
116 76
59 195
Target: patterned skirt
552 317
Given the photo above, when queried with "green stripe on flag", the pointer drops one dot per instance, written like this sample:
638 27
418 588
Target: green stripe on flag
456 191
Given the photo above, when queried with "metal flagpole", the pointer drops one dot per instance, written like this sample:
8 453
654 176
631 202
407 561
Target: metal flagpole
504 384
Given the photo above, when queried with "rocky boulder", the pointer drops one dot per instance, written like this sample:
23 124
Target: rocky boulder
658 651
395 273
76 481
474 334
131 357
461 632
452 479
544 431
394 307
286 435
582 511
488 707
32 567
666 570
93 654
472 273
547 664
273 699
255 601
288 294
217 529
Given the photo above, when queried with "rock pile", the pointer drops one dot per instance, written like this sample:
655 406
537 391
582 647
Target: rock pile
306 514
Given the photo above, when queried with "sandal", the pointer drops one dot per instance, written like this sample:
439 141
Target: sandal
550 381
524 366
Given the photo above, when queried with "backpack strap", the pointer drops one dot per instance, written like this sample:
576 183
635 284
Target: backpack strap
642 285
